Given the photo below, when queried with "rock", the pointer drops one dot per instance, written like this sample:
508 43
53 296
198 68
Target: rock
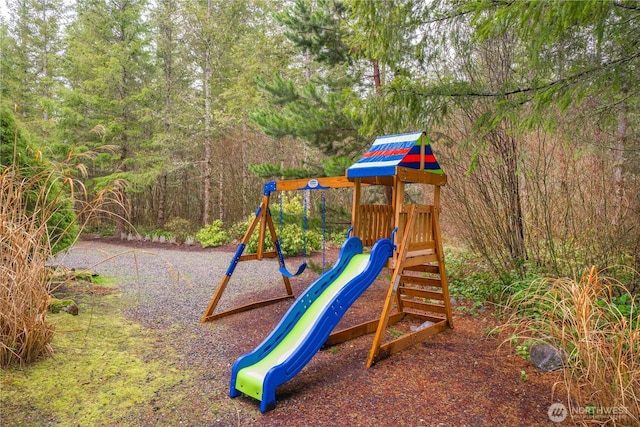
426 324
72 309
547 357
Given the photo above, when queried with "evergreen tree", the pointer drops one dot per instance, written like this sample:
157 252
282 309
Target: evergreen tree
489 72
108 72
32 75
216 27
170 92
318 102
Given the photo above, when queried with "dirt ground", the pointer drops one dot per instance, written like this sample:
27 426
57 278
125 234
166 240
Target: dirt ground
460 377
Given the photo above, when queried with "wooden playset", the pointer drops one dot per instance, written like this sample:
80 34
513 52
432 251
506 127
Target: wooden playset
418 285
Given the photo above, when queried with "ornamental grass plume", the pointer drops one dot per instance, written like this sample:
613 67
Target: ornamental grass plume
37 219
25 247
596 321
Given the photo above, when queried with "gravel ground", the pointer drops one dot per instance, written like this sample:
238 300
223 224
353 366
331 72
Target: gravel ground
457 378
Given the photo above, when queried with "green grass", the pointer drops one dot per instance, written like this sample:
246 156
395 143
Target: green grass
103 368
108 282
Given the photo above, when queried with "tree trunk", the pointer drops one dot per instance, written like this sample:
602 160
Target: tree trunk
377 84
618 156
221 190
244 164
207 168
162 191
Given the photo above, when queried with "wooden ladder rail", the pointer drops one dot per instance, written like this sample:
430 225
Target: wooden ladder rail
386 309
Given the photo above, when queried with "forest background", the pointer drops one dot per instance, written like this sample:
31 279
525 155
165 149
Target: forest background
532 110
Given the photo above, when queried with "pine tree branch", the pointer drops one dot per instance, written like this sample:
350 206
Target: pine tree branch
627 6
566 81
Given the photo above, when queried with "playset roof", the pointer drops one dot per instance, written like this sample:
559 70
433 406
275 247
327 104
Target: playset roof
390 151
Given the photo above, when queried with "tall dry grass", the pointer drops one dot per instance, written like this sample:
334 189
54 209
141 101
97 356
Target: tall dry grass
28 203
601 338
24 252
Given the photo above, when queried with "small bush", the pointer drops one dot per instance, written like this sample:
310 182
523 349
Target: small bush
337 238
237 231
291 241
179 228
212 235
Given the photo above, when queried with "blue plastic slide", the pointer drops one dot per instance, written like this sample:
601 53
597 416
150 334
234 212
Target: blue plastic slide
308 323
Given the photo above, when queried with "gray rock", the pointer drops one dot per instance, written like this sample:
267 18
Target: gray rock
546 357
72 309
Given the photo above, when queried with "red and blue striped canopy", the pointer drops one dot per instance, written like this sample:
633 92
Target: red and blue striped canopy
390 151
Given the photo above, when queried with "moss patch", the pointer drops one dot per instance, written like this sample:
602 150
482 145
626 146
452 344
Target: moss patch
103 368
56 305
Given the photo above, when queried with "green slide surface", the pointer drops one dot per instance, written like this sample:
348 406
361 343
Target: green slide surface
251 378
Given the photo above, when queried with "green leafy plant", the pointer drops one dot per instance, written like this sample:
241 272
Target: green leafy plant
523 375
523 351
212 235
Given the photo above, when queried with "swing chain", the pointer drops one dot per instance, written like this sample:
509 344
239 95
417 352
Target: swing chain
324 231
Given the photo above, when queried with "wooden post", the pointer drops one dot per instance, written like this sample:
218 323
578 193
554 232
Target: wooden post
398 200
440 253
386 309
264 213
422 138
355 207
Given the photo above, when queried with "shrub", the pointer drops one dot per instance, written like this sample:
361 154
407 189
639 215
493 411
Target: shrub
291 241
37 220
47 188
238 230
179 228
212 235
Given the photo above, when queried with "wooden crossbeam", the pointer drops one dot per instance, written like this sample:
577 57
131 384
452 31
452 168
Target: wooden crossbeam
360 330
247 307
410 339
423 306
424 268
251 257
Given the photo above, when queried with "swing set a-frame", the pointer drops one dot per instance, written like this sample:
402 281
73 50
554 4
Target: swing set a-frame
418 285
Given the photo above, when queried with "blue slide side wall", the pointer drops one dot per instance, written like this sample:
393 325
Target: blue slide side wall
323 326
351 247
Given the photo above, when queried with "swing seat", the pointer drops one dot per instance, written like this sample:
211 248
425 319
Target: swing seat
286 272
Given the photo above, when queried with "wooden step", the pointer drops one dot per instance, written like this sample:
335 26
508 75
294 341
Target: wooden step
432 317
422 281
420 293
425 268
424 306
420 257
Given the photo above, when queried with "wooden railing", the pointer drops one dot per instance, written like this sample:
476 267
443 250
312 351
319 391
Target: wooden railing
374 223
422 237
